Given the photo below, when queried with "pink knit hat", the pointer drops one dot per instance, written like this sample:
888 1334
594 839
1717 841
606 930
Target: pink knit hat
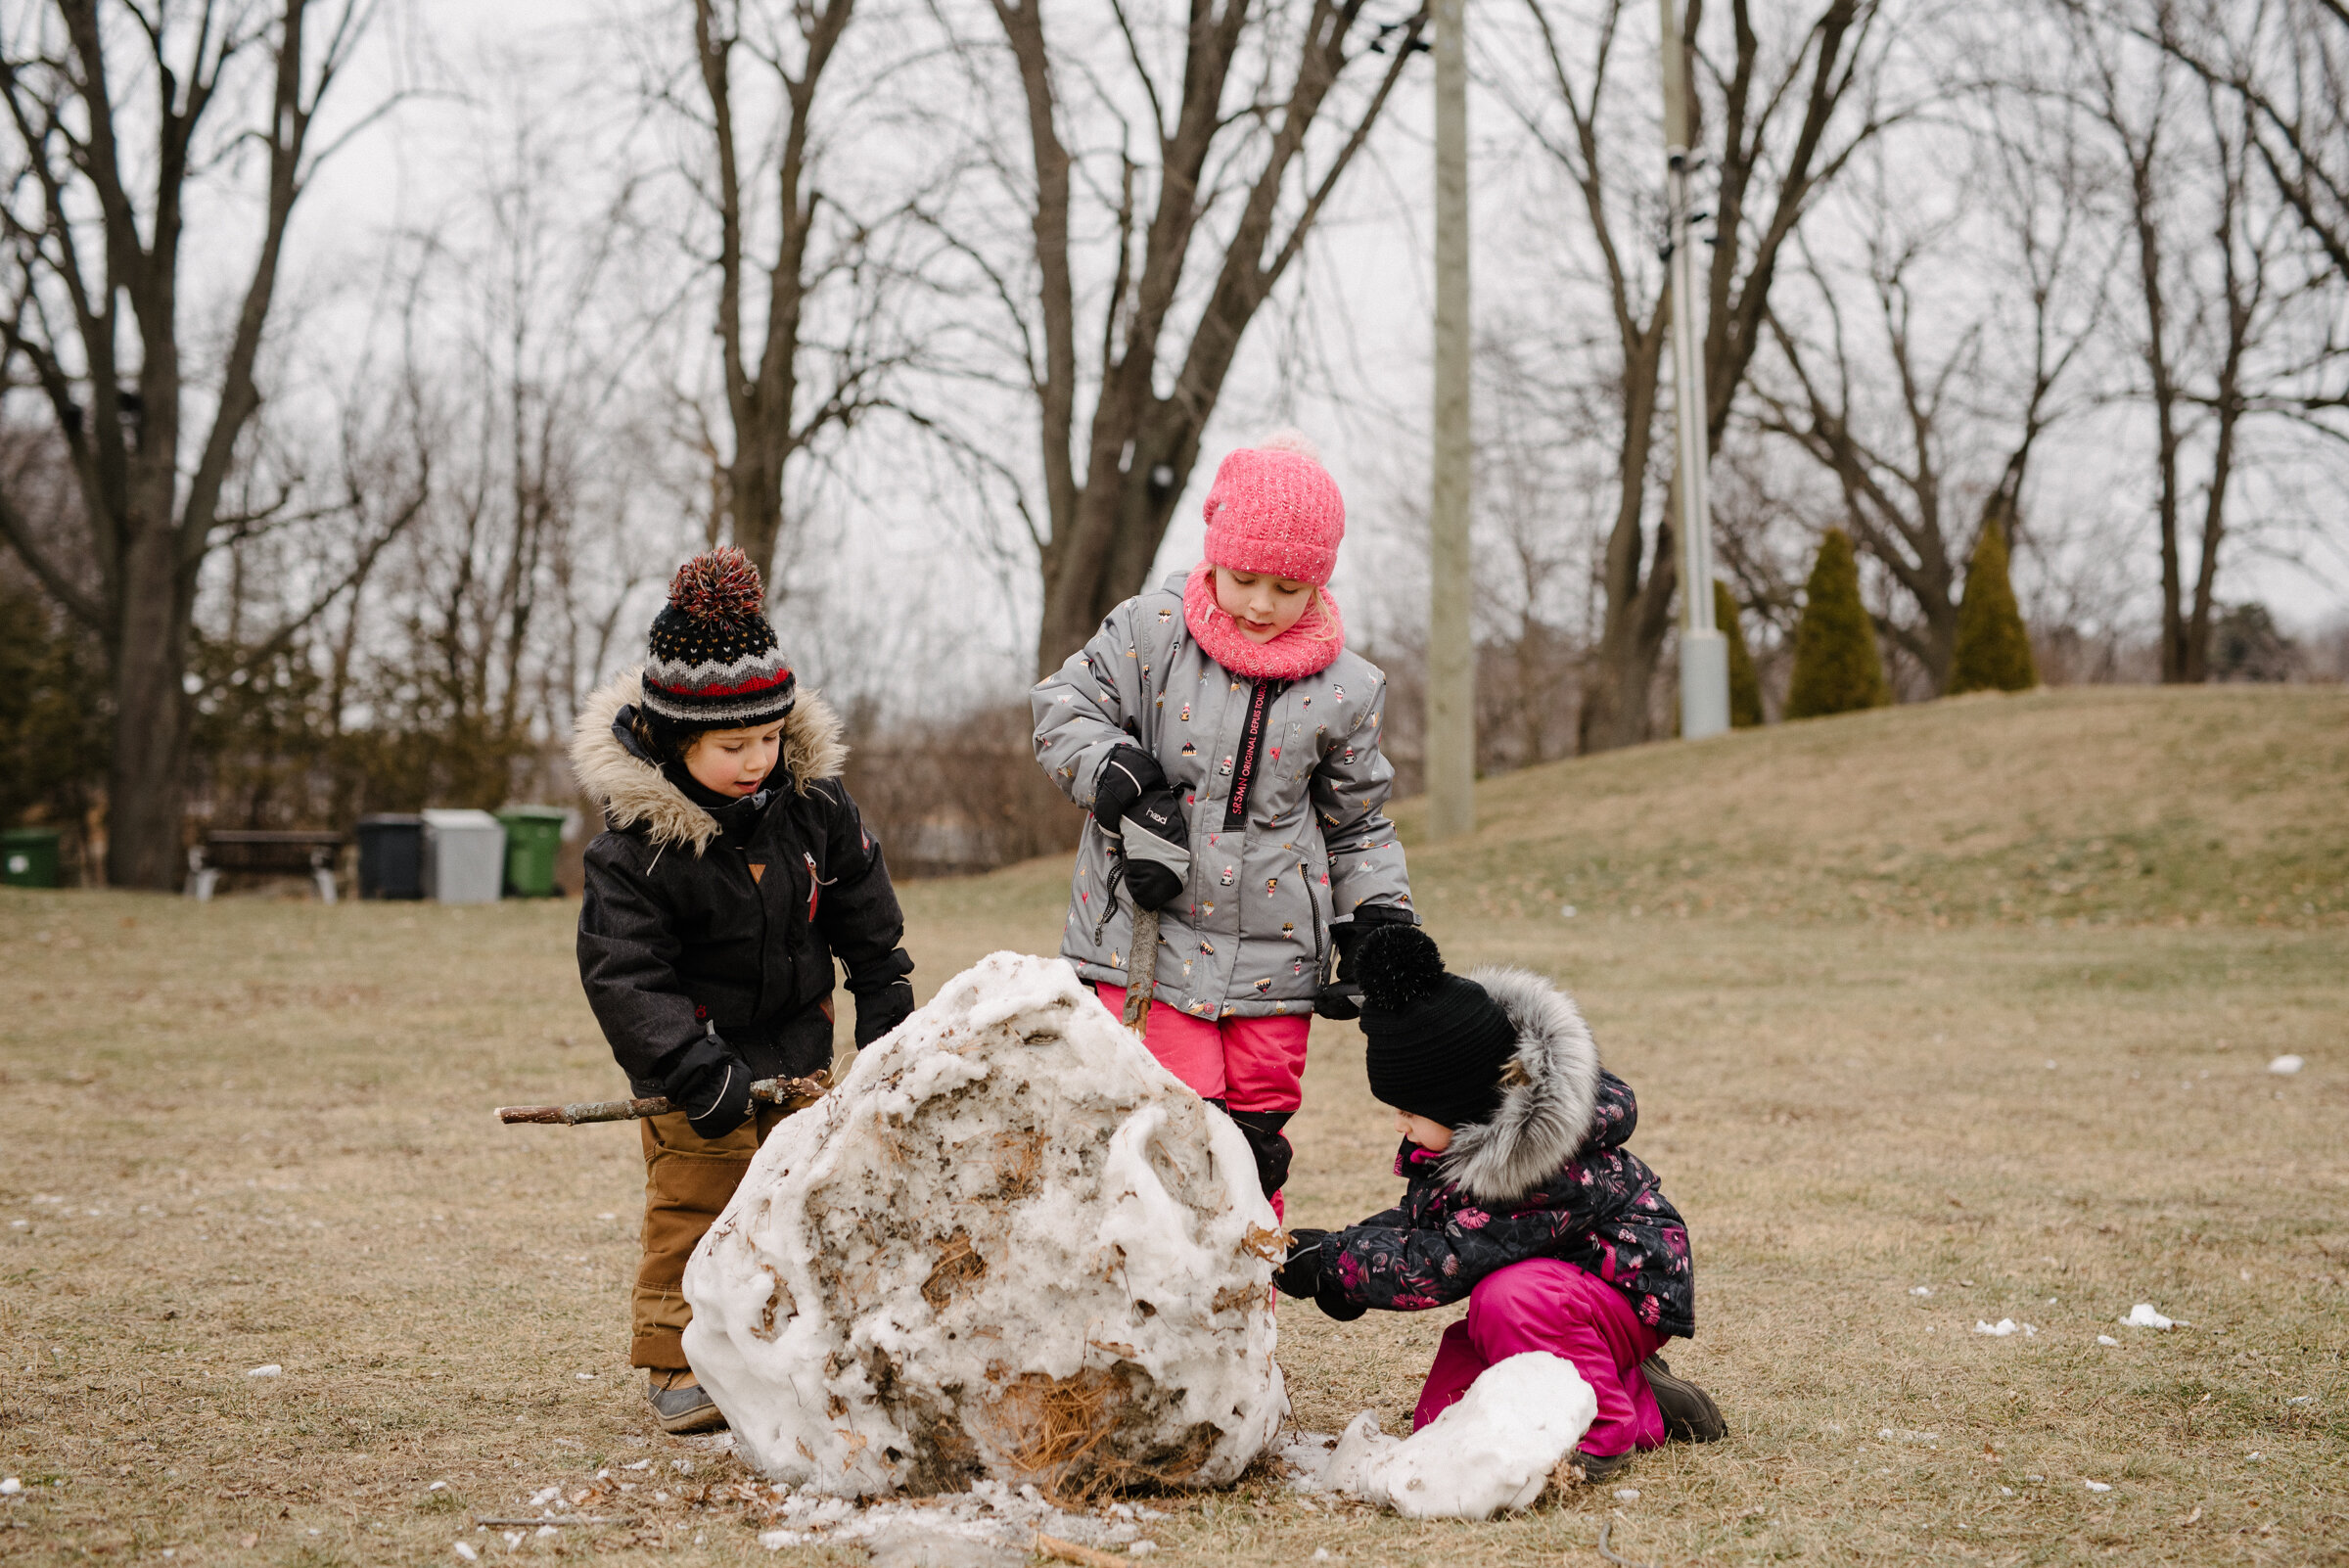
1275 510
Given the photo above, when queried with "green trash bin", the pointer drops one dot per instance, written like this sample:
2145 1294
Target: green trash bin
534 833
29 858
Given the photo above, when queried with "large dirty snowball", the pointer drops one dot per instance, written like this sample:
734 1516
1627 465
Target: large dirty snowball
1009 1245
1490 1452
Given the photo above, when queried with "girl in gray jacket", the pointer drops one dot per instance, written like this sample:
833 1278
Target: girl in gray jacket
1227 744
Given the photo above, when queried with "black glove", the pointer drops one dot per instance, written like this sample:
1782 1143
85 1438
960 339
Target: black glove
713 1090
1301 1275
1158 849
1262 1129
1126 778
880 1011
1350 935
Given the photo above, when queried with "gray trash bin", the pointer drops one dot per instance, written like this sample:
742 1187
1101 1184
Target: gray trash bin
464 856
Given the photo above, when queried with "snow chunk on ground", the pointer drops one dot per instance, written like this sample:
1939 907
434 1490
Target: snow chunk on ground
1009 1244
2143 1315
2004 1329
2286 1066
1491 1451
990 1522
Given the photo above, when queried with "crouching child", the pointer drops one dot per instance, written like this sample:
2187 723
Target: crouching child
1520 1197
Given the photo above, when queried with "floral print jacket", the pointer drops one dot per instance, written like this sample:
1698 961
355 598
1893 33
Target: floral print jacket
1547 1177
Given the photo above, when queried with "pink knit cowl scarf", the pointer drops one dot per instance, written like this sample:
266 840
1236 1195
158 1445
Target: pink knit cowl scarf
1307 648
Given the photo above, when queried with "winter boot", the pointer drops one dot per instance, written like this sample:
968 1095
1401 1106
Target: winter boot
681 1405
1590 1469
1689 1413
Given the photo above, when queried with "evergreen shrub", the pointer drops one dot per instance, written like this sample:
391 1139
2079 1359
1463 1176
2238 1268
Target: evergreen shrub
1837 667
1745 685
1994 651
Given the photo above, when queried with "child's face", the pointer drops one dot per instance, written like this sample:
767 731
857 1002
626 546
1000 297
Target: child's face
1264 607
734 762
1433 1136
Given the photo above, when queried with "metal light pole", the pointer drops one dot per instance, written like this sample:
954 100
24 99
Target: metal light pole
1704 651
1450 638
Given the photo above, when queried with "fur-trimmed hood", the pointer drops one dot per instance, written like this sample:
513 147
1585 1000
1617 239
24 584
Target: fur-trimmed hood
631 790
1549 1108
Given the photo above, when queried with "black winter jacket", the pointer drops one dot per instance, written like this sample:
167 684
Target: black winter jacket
705 931
1546 1177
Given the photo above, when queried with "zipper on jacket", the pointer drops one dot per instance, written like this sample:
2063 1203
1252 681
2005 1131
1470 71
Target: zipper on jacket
1243 774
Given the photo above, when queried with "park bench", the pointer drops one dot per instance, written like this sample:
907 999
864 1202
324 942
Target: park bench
264 854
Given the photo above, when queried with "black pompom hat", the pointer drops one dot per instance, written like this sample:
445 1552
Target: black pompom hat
1437 1044
713 659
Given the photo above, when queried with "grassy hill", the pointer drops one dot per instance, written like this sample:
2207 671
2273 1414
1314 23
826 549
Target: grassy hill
2105 805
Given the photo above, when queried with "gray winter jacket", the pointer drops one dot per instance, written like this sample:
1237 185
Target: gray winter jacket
1250 935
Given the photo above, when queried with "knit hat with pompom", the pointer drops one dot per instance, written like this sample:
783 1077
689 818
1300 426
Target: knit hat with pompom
1275 510
1437 1043
713 659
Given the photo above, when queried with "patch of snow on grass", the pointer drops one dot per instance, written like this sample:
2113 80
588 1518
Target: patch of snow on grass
2143 1315
2286 1066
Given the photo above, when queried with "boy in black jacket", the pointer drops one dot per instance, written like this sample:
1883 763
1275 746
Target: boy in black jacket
732 871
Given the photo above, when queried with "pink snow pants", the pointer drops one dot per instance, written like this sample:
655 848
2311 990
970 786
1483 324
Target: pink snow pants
1544 1304
1250 1064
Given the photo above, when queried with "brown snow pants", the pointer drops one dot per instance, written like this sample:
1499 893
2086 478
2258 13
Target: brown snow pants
688 1180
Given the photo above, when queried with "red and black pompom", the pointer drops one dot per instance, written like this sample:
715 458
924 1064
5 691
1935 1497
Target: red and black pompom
718 585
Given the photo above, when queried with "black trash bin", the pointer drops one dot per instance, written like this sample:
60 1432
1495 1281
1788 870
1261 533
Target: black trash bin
391 856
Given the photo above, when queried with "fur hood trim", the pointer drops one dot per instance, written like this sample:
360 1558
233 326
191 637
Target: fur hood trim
1546 1114
631 790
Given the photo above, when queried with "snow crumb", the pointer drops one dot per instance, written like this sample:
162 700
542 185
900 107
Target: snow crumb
2003 1329
975 1526
1042 1224
465 1550
438 1486
2107 1339
2286 1066
1889 1435
1321 1554
10 1487
2301 1399
584 1377
2097 1486
2143 1315
1921 1290
1491 1453
270 1370
640 1464
1628 1495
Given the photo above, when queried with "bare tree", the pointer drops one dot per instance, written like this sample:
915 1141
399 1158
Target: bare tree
1208 184
1957 385
2216 298
1790 121
763 182
2286 63
115 116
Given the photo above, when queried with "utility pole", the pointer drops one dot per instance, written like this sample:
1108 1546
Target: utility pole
1450 637
1704 651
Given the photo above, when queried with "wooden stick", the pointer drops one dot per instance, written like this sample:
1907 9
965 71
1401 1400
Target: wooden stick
1141 970
575 1519
791 1093
1060 1551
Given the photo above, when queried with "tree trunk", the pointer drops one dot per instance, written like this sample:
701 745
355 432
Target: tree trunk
145 788
1615 703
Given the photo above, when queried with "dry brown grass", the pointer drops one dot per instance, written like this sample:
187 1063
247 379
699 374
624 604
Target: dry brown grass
280 1116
